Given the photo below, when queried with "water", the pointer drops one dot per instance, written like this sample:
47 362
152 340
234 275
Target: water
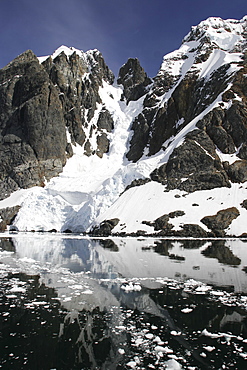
81 303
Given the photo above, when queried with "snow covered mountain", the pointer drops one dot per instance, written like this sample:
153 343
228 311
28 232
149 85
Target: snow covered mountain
82 151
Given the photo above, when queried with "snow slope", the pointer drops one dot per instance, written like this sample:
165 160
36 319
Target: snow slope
88 190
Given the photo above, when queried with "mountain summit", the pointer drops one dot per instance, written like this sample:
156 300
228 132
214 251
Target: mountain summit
85 152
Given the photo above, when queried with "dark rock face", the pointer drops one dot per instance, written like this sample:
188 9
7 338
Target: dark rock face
78 79
237 171
7 215
137 182
162 222
221 220
188 99
37 103
192 166
134 80
192 230
32 136
105 228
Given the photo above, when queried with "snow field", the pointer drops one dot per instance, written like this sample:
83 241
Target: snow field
150 201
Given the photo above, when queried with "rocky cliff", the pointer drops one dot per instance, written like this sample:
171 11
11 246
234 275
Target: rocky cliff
39 103
182 133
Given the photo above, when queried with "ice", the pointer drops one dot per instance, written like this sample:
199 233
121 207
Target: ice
163 349
187 310
17 289
173 365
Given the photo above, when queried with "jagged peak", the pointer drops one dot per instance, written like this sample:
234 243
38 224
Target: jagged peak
213 34
224 34
134 79
70 50
91 59
63 49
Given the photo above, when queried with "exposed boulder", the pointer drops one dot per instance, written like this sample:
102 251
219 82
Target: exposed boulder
162 223
103 144
105 228
237 171
221 221
105 121
244 204
193 231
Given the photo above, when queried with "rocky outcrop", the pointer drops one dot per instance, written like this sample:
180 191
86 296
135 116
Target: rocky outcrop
105 228
134 80
162 222
244 204
192 166
221 221
7 216
237 171
137 182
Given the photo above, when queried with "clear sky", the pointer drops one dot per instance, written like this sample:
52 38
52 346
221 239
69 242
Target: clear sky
146 29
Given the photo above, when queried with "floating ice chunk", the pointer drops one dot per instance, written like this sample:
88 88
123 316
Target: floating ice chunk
211 335
76 286
130 287
39 303
209 348
132 364
27 260
174 332
163 349
17 289
158 340
203 289
214 292
173 365
87 291
9 296
138 341
187 310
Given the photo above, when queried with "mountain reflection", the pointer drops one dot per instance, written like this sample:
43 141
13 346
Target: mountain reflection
222 253
211 261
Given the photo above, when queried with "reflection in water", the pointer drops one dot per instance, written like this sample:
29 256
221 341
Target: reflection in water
80 303
219 250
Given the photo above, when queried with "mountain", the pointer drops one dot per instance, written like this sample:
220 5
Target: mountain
84 152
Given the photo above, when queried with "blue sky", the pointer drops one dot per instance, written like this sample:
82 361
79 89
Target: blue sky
146 29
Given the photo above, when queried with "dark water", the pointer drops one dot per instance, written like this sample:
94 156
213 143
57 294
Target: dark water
78 303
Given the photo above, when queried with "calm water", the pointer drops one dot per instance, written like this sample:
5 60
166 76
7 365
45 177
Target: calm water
81 303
